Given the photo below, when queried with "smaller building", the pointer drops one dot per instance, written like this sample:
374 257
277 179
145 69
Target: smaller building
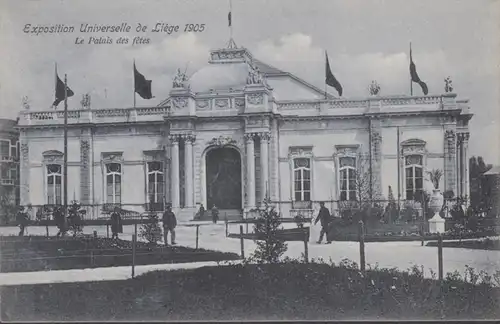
9 167
493 178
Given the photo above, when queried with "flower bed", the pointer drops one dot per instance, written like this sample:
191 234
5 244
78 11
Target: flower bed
289 291
34 253
481 244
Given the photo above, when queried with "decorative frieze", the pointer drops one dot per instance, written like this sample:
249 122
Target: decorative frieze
300 151
221 141
180 102
221 104
112 157
255 99
239 102
202 105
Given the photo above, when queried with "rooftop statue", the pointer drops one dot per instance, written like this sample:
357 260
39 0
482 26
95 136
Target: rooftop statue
180 80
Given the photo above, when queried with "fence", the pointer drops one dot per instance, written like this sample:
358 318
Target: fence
130 254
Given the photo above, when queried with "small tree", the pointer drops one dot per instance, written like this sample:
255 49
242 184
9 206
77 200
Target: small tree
435 176
8 207
269 248
392 208
151 231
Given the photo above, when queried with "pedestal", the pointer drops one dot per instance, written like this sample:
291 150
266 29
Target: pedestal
436 224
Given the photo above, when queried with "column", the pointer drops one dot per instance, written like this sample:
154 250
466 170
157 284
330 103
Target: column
264 164
465 149
175 171
189 192
250 170
463 190
449 161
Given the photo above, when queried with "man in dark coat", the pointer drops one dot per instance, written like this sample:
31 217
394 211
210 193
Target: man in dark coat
169 224
325 218
116 223
215 214
60 220
22 219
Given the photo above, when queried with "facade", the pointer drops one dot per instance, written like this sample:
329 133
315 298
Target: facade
239 130
9 165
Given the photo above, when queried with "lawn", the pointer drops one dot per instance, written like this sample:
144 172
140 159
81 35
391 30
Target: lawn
481 244
290 291
37 253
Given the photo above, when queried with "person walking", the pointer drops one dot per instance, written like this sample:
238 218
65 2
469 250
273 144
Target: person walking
22 219
215 214
116 223
201 211
324 217
169 224
59 220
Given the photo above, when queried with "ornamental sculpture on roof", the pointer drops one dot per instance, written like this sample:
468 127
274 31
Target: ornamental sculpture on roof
180 80
254 75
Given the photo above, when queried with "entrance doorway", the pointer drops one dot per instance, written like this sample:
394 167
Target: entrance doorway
223 178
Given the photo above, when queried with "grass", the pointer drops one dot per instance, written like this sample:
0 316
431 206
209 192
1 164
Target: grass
38 253
289 291
481 244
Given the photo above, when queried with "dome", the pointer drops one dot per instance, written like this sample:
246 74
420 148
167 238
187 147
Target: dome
219 77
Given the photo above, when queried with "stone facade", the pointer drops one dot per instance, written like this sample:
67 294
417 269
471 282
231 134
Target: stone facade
295 151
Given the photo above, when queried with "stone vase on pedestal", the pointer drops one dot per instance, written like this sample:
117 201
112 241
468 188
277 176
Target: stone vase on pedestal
436 223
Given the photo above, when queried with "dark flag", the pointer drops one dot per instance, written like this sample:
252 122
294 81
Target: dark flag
330 78
414 76
142 86
229 19
60 91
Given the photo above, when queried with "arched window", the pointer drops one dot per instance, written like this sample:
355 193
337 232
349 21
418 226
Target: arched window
302 179
347 172
113 183
155 183
54 187
413 176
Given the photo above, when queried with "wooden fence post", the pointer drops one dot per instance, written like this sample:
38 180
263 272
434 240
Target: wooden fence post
135 230
197 235
241 243
134 239
47 229
422 233
440 257
227 223
107 230
361 236
306 248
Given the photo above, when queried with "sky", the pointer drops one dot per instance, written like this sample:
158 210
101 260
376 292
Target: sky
365 40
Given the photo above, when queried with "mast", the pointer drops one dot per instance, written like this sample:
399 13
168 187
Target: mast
65 165
411 82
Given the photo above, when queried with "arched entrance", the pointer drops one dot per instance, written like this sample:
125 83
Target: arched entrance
223 178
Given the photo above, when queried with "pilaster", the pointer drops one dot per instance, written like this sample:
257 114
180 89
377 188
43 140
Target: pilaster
250 157
450 161
24 173
175 191
188 164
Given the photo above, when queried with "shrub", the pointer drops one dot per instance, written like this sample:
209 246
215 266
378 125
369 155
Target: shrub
151 231
269 248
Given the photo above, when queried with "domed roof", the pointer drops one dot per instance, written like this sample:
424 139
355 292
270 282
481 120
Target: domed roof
219 77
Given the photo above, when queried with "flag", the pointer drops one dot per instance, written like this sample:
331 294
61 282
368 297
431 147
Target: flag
142 86
60 91
414 76
229 19
330 78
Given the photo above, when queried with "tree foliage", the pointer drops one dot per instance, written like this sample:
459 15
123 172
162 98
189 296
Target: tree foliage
480 185
269 248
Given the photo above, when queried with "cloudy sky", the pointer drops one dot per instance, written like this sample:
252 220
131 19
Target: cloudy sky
366 40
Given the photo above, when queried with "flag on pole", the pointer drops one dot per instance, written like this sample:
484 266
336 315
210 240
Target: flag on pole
60 91
141 85
414 76
330 78
229 19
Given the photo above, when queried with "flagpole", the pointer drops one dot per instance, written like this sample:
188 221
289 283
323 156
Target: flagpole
326 58
134 83
55 80
65 166
411 82
231 25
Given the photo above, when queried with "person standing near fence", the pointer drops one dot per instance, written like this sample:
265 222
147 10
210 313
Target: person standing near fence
22 220
215 214
324 217
60 220
116 223
169 224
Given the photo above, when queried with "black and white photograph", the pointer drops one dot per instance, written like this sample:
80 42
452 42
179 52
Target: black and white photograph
244 160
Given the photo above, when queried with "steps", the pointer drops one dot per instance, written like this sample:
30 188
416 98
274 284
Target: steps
231 214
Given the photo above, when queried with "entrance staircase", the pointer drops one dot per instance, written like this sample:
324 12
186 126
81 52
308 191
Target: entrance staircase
231 214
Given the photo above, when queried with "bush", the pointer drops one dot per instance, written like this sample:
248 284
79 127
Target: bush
151 231
270 249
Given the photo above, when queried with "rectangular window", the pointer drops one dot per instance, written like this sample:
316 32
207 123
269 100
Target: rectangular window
54 184
302 179
414 177
156 185
4 149
347 176
113 183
